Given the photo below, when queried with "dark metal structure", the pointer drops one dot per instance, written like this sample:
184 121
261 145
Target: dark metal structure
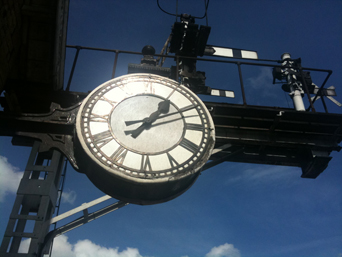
35 202
244 133
267 135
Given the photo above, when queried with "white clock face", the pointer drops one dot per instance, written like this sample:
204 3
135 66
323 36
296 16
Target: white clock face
145 126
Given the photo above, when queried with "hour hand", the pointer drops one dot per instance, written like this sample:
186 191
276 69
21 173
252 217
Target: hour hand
163 107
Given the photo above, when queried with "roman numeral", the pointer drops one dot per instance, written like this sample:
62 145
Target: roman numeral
145 163
111 102
191 126
172 161
188 145
98 118
149 87
125 90
119 155
103 138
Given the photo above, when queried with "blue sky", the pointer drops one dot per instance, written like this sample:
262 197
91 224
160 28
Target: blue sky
233 209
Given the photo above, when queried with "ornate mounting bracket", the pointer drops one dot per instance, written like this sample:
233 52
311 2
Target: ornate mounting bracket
54 129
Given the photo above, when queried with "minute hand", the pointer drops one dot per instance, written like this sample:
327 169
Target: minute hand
128 132
184 109
163 107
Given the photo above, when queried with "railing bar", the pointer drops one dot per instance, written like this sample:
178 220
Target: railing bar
115 63
241 84
320 89
78 48
198 59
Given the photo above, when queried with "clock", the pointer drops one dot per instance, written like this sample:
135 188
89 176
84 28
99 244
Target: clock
143 138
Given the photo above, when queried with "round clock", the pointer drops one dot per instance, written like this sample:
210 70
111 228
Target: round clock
143 138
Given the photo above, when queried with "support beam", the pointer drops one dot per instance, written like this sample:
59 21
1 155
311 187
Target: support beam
87 217
35 202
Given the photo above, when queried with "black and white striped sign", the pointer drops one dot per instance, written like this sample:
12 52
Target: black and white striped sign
230 52
223 93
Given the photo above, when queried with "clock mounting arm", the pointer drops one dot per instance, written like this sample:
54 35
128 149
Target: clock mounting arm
54 129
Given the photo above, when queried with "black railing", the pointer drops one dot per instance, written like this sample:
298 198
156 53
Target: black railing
256 62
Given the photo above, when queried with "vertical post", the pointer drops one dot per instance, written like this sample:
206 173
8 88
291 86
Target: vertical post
115 63
34 204
78 48
306 88
293 86
241 84
177 68
324 105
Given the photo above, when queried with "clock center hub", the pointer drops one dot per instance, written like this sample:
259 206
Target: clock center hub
158 136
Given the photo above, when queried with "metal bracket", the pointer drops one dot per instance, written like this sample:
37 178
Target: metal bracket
87 217
328 92
54 129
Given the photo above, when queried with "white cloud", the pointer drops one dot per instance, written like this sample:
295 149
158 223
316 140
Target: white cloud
83 248
86 248
263 88
10 177
256 174
263 78
225 250
69 197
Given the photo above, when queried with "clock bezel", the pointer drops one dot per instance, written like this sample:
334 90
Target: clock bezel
191 166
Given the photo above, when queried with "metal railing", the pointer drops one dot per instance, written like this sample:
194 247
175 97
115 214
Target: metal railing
239 63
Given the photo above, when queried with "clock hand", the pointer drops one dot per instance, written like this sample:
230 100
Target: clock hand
131 122
128 132
163 107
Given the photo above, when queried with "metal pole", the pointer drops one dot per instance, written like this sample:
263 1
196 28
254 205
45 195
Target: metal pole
306 88
78 48
177 68
324 105
241 83
294 87
320 89
115 63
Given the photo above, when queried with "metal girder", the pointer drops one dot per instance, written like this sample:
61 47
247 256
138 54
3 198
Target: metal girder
277 136
87 217
35 202
267 135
